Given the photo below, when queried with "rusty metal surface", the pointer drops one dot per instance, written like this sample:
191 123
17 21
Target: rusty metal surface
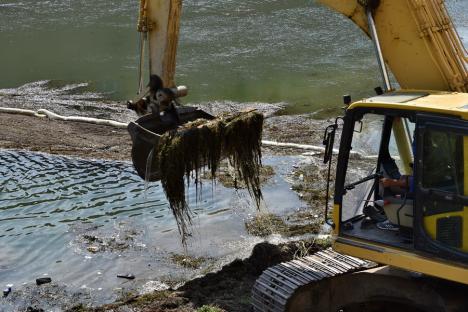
277 284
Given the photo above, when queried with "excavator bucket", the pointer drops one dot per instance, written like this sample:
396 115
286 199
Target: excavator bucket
147 131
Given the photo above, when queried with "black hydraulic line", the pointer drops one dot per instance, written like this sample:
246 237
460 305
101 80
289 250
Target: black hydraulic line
328 141
368 178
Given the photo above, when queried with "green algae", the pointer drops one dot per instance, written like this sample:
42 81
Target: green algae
184 153
265 224
187 261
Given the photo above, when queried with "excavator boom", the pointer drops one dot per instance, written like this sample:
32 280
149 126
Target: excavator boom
418 39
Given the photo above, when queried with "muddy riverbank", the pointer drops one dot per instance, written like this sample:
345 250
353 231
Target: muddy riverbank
64 138
87 140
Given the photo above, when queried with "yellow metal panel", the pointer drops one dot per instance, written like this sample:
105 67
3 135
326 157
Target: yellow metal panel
351 9
163 36
403 145
408 261
404 106
405 51
447 103
336 219
430 224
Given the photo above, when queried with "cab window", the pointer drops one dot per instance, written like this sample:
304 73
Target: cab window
443 167
441 190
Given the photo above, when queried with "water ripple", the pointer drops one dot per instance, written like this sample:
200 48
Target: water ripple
54 187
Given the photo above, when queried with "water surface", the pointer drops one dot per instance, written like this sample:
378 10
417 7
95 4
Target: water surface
51 208
293 51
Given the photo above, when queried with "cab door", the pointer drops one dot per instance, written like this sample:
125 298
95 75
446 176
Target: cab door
441 178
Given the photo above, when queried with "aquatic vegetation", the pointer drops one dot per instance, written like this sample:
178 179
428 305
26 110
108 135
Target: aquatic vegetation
227 176
209 308
264 225
184 153
188 261
296 224
121 237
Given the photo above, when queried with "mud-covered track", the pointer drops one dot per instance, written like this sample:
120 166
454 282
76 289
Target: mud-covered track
276 285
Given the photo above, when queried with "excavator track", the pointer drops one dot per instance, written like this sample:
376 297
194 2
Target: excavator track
277 284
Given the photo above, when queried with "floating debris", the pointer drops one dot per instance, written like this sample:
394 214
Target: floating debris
184 152
43 280
126 276
6 291
93 249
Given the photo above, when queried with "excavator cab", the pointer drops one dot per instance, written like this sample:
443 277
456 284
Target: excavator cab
422 225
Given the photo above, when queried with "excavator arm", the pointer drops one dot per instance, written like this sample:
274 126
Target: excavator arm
419 42
158 24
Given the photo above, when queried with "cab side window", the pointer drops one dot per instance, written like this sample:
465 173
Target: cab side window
443 161
441 191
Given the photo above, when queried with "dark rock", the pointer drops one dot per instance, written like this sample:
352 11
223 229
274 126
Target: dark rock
6 291
127 276
265 255
43 280
34 309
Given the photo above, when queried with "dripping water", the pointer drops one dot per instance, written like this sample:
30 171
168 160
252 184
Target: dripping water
149 162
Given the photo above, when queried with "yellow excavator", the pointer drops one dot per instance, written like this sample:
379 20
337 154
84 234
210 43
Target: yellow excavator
400 231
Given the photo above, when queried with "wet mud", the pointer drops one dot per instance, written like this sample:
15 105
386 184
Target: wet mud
227 176
93 239
79 139
228 289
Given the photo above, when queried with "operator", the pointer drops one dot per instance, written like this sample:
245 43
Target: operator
404 185
404 182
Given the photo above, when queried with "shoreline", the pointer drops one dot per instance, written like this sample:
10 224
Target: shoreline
86 140
225 290
64 138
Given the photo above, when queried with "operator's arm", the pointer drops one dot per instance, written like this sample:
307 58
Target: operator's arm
403 182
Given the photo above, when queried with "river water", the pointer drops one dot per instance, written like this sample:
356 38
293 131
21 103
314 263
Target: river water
294 51
55 210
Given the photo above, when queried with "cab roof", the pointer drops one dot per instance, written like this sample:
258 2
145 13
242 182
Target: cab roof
447 103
